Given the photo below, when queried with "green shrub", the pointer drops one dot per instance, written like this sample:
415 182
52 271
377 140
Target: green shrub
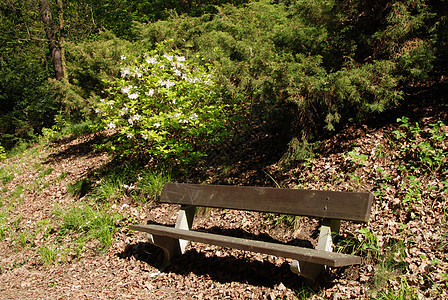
163 105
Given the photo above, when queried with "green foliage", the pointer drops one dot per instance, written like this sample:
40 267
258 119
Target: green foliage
79 188
365 245
165 106
150 184
309 54
298 151
99 223
422 149
5 175
48 254
2 153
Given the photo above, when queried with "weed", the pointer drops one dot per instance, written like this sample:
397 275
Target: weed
16 222
22 238
48 254
62 176
404 292
298 151
110 188
79 188
45 172
367 245
3 227
150 184
413 192
5 176
421 153
78 129
96 223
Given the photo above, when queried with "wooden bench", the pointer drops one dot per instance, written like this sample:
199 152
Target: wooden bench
332 207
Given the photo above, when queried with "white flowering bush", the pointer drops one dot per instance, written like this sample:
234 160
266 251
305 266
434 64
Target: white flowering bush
163 105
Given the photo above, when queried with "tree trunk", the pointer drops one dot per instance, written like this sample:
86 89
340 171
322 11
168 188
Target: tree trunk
60 11
55 48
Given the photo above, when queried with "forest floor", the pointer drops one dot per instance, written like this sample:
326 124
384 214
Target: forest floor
404 246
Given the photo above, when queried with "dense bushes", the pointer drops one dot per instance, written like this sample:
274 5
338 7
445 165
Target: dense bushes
332 63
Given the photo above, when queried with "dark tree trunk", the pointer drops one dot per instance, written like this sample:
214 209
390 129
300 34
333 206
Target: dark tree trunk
53 44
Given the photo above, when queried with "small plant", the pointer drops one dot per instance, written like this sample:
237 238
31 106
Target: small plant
3 227
23 239
404 292
426 154
365 245
413 193
110 188
150 184
97 223
2 153
79 188
5 175
48 254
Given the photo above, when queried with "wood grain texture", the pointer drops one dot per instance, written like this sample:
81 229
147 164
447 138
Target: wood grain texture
324 204
303 254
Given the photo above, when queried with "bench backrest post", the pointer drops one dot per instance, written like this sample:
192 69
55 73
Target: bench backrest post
328 229
185 221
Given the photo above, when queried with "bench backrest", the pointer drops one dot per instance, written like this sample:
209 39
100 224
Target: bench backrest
323 204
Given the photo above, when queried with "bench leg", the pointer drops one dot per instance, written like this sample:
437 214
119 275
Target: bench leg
170 246
311 271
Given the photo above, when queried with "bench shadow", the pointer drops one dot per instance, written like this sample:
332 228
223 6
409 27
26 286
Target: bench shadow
223 268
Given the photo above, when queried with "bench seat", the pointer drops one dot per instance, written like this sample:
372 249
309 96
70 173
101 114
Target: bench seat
331 259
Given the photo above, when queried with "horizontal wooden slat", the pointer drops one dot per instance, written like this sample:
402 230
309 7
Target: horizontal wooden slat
326 204
302 254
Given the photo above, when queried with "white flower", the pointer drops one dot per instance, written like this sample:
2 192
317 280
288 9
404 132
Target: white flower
177 115
126 89
150 92
144 136
183 121
151 60
98 111
101 100
193 116
177 72
133 96
111 103
123 57
130 135
169 57
123 111
134 118
125 72
111 125
138 74
169 84
174 101
180 58
156 125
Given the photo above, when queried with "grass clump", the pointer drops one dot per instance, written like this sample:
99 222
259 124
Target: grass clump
151 183
94 222
48 254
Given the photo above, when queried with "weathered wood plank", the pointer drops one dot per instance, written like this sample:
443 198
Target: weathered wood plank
325 204
303 254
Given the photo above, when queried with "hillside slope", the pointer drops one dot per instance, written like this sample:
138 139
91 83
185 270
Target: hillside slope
405 245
